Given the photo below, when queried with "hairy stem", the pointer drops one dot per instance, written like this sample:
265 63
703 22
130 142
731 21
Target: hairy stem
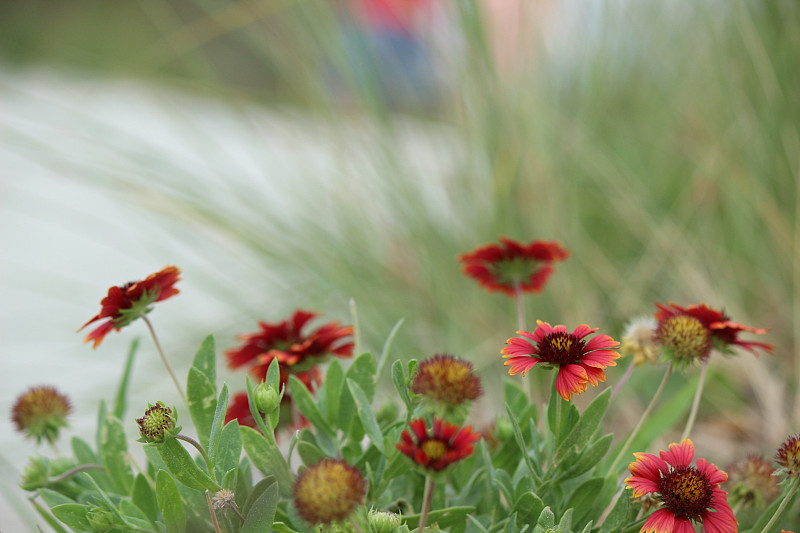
427 498
199 448
164 357
69 473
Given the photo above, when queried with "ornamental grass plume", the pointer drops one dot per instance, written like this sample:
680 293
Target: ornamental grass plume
688 493
328 491
133 300
444 445
579 363
512 266
40 413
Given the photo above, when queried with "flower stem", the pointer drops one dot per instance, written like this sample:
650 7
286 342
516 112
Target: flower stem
782 506
213 514
76 470
644 416
427 498
520 305
696 402
623 379
164 357
199 448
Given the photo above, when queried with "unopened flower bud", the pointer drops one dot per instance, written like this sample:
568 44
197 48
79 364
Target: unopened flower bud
267 398
383 521
158 424
100 519
36 474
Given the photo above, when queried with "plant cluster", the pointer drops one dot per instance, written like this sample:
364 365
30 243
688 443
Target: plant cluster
415 461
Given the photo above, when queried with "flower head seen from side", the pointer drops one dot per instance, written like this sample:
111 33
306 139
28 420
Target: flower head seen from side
688 334
328 491
579 362
687 493
295 349
444 445
158 424
788 456
122 305
751 482
511 265
40 413
447 379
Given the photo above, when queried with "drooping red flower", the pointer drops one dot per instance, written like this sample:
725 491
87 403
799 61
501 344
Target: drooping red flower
125 304
510 264
445 445
285 341
687 493
579 362
722 332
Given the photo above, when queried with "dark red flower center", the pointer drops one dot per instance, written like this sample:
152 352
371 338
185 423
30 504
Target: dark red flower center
686 492
561 348
434 449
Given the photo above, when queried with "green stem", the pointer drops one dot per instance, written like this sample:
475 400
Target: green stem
782 506
76 470
199 448
623 379
644 416
696 402
520 305
164 358
427 498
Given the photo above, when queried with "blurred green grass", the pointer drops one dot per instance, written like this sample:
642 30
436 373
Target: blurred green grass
660 142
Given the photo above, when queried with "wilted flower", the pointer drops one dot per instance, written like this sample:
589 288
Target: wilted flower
752 482
447 379
579 363
687 493
638 340
223 499
125 304
689 333
512 264
447 444
328 491
40 413
788 456
382 521
158 423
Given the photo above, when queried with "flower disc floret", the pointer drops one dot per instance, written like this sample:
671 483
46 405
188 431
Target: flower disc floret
444 445
41 412
684 339
125 304
158 423
447 379
579 362
788 456
512 266
328 491
687 493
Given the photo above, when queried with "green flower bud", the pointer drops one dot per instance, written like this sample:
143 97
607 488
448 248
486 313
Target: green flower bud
100 519
36 474
267 398
383 521
158 424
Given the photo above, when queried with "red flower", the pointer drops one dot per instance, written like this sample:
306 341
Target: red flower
286 342
125 304
688 493
721 330
503 267
578 362
446 445
239 409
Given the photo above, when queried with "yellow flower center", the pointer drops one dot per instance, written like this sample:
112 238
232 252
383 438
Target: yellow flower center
434 449
561 349
684 338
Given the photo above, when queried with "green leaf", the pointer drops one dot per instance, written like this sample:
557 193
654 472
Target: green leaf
262 513
47 517
256 493
301 396
400 381
73 515
446 518
584 496
216 425
267 458
254 411
366 415
587 424
230 449
274 375
181 464
85 455
362 371
53 498
589 457
528 507
309 452
201 389
122 391
521 442
622 513
144 497
387 346
170 502
114 454
331 392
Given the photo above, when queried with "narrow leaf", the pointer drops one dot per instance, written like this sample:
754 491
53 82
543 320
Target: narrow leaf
387 346
73 515
366 415
217 424
267 458
120 404
401 382
201 396
170 503
261 515
301 396
230 449
114 454
181 464
144 497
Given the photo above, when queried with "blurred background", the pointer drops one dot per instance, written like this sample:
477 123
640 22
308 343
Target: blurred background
303 154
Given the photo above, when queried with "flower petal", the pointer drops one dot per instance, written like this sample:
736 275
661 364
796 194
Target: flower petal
571 379
679 454
521 364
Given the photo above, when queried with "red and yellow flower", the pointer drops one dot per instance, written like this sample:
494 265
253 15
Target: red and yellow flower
687 493
285 341
444 445
579 362
122 305
447 379
512 266
688 333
